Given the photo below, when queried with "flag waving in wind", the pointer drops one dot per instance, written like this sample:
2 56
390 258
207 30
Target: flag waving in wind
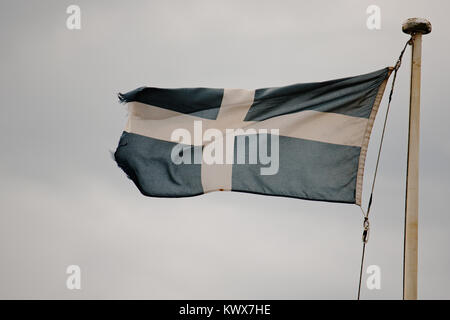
306 141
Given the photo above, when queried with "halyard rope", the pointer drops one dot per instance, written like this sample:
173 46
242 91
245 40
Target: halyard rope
366 225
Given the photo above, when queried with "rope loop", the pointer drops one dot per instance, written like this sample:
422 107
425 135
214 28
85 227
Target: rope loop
366 226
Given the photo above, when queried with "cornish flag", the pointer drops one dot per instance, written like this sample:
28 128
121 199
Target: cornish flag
305 141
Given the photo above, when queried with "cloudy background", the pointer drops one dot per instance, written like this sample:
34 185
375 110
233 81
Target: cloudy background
63 200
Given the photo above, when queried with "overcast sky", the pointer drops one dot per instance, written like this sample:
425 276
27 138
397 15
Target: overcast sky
63 200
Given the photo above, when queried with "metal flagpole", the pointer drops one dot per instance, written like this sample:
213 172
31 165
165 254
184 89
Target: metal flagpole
416 27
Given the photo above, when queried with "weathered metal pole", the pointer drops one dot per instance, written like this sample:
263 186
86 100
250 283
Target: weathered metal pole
416 27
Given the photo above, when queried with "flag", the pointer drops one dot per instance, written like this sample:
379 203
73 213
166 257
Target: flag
305 141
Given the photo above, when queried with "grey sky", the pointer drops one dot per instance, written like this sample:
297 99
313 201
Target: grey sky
64 201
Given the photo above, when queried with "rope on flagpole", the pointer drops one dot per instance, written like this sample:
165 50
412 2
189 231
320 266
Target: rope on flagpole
366 224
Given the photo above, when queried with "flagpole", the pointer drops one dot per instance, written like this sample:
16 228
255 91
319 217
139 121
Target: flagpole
416 27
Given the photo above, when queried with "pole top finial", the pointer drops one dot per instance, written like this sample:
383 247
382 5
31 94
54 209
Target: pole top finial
416 25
